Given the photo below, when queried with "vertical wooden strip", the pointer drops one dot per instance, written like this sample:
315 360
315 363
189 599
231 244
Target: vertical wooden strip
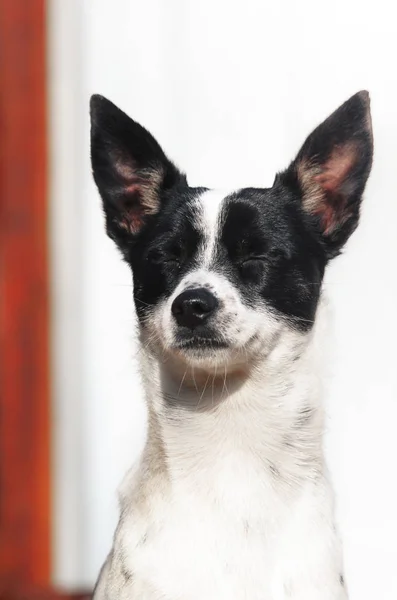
24 319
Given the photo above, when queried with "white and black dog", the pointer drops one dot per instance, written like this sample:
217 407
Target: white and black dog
230 499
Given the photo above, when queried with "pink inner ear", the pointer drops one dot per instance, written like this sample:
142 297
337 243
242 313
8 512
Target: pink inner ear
140 194
336 170
132 220
125 170
333 177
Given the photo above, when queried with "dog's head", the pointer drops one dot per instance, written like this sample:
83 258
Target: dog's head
217 274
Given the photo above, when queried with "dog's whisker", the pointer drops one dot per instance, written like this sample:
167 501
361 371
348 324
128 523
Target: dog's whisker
143 303
213 383
203 392
194 381
205 386
182 380
224 382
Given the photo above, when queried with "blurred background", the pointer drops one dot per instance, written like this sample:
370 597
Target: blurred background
230 89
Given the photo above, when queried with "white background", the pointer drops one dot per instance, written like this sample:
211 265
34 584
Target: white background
230 89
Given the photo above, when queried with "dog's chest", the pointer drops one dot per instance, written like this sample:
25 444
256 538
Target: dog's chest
209 538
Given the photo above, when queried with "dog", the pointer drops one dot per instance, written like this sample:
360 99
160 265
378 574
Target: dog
230 498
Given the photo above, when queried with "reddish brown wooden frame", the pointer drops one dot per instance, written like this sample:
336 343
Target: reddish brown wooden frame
24 395
25 416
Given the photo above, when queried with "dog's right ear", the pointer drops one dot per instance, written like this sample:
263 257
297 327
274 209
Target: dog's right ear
130 170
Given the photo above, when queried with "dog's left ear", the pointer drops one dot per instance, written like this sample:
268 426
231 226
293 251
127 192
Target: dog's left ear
331 170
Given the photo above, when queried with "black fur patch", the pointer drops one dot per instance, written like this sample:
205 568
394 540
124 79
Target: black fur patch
271 254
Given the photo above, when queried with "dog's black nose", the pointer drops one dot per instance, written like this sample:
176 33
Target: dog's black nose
193 307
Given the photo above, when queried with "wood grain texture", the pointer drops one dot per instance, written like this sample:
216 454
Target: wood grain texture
24 319
39 593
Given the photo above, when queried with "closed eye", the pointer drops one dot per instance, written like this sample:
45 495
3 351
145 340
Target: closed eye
171 254
271 256
174 253
259 257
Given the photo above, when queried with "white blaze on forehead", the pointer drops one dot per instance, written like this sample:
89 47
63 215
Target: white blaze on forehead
209 209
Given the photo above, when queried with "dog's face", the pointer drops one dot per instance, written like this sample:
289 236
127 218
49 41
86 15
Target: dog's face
216 275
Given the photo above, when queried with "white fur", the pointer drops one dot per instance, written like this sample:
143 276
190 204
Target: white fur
208 207
230 499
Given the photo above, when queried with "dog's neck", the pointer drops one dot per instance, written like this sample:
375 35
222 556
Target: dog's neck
268 410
